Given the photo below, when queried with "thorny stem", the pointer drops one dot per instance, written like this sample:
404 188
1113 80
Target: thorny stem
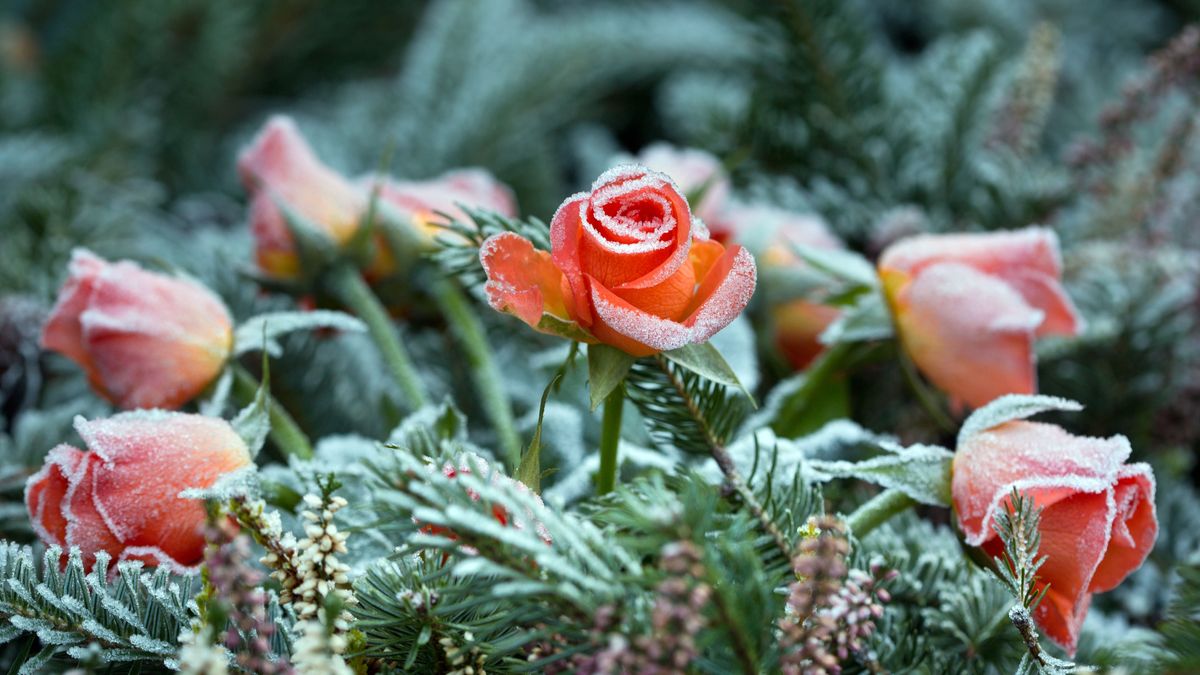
610 438
725 462
877 511
287 435
470 334
348 285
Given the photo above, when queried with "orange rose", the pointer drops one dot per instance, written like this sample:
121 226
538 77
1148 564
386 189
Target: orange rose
279 168
122 495
967 307
627 268
1098 520
146 340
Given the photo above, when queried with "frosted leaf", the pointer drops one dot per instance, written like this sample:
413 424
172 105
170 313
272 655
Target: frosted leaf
920 471
241 482
1012 407
263 331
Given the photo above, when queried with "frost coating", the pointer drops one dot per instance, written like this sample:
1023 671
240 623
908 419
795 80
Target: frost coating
123 495
1098 517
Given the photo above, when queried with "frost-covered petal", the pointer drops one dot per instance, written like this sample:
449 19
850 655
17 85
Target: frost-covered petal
147 459
86 525
521 279
692 170
62 331
46 490
279 166
721 296
1134 527
996 253
970 333
155 340
1041 460
1045 293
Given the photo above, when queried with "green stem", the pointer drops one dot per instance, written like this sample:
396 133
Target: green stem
348 285
469 331
285 433
924 397
877 511
610 437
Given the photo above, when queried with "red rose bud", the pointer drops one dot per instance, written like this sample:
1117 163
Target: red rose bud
280 168
122 494
1098 520
146 340
628 268
968 307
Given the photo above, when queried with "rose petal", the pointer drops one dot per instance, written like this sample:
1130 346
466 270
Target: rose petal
1134 528
156 340
86 526
798 327
996 253
1041 460
564 251
522 280
46 490
1045 293
720 298
147 459
969 333
62 331
692 170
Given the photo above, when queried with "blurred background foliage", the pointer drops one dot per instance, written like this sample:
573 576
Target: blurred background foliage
120 120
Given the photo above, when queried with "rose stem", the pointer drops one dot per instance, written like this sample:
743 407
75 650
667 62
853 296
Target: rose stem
610 437
469 331
348 286
877 511
286 434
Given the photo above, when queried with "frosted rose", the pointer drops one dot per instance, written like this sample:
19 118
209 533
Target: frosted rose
695 172
421 201
1098 521
628 268
146 340
968 307
279 168
122 494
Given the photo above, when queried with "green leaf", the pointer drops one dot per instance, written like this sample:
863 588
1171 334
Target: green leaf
262 331
253 422
846 266
1012 407
866 320
919 471
607 368
706 361
568 329
529 471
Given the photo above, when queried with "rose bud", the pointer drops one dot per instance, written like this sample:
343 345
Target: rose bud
628 268
1098 521
422 201
967 307
122 494
697 173
279 168
146 340
772 234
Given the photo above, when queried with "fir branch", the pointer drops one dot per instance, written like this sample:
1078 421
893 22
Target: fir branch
695 413
458 255
135 617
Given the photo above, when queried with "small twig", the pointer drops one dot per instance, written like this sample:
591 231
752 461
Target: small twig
732 478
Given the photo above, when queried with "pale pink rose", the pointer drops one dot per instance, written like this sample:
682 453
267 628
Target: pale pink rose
968 307
122 494
146 340
1098 521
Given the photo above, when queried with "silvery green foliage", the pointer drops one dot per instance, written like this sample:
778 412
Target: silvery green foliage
262 331
1009 408
135 616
